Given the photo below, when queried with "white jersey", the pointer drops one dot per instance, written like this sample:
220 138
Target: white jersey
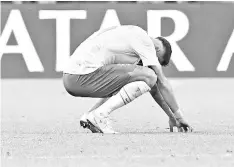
115 45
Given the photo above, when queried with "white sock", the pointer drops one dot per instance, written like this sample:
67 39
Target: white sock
126 94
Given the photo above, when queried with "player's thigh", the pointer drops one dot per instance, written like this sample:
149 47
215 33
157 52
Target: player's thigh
116 76
111 78
107 80
103 82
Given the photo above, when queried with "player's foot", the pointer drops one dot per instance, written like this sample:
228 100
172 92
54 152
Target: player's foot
99 123
83 121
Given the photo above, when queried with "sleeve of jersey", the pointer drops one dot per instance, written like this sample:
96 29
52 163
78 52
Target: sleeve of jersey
144 48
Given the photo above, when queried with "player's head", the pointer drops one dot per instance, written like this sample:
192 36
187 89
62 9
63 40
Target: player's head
163 50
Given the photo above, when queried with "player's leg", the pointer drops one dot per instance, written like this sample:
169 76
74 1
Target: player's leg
107 80
99 117
83 119
140 81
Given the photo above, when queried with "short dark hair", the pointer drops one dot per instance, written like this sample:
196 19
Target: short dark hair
168 50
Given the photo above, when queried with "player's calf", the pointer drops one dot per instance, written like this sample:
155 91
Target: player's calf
133 90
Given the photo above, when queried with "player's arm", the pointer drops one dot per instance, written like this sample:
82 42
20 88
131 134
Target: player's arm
167 92
155 93
182 125
144 48
165 89
168 95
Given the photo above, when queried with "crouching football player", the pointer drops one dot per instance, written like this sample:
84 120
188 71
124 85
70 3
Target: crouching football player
118 65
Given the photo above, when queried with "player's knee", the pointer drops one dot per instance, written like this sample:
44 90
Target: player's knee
144 74
150 78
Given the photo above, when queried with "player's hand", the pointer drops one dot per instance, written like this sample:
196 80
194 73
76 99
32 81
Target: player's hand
181 125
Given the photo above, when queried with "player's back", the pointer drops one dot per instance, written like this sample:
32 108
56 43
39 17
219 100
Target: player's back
108 46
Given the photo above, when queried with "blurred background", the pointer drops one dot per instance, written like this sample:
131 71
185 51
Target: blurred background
38 37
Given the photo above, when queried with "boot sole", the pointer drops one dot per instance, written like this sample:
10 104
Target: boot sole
83 124
93 128
90 126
